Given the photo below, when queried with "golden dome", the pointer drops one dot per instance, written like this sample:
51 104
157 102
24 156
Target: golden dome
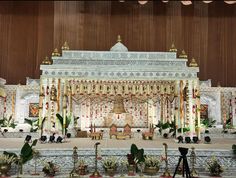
183 55
65 46
47 61
193 63
173 48
55 52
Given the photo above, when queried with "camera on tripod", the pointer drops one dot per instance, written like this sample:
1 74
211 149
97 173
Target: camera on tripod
183 151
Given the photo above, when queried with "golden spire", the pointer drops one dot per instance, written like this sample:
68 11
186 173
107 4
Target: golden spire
65 46
118 38
55 52
193 63
173 48
47 61
183 55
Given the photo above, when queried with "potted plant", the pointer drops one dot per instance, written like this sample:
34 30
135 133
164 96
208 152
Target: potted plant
5 164
50 169
26 154
134 157
81 167
66 124
110 165
33 123
151 165
214 167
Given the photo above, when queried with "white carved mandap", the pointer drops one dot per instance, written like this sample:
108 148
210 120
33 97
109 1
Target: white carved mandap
118 86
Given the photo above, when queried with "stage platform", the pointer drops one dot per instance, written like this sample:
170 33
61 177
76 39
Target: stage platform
61 153
107 143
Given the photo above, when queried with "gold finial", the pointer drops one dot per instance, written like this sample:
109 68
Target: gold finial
118 38
55 52
47 61
193 63
183 55
173 48
218 84
65 46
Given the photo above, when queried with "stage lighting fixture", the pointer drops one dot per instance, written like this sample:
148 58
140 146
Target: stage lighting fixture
207 139
43 138
195 139
59 139
183 151
180 138
28 138
68 135
5 130
21 130
187 139
52 138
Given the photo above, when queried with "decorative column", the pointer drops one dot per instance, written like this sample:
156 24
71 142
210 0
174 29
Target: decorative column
198 109
64 106
190 108
234 108
41 98
176 105
181 108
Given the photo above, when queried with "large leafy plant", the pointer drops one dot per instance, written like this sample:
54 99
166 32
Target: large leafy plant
4 122
26 152
136 155
33 123
207 123
66 124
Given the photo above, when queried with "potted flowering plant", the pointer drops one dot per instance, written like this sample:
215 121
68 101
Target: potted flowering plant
50 168
214 167
81 167
151 165
5 164
110 164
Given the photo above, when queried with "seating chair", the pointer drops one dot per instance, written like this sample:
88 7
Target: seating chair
113 130
127 130
148 135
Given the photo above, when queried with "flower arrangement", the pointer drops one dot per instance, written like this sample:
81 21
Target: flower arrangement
81 167
214 167
50 168
110 163
152 161
7 159
81 163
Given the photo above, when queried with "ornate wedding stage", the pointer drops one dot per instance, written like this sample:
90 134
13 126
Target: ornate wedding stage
98 89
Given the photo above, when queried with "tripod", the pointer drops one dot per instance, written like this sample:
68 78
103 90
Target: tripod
185 166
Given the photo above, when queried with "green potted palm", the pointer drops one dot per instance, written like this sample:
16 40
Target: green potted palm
26 154
110 165
152 164
214 167
5 164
